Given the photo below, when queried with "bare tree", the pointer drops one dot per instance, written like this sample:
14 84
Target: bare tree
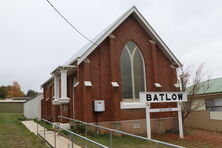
195 78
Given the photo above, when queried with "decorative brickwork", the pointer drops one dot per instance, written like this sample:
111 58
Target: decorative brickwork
103 67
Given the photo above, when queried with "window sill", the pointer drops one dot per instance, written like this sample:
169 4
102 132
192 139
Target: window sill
131 105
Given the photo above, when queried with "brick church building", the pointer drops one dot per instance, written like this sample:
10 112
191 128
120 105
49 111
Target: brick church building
128 57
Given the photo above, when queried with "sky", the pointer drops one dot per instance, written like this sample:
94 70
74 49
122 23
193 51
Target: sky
34 40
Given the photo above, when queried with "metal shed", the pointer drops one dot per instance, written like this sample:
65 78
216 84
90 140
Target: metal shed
12 106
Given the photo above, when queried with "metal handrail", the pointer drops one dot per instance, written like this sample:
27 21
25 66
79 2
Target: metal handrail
121 132
89 140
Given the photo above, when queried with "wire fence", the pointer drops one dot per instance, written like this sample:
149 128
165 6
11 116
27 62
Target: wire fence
57 136
113 138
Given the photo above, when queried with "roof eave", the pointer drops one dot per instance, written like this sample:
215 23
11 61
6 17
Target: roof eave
46 82
64 67
149 29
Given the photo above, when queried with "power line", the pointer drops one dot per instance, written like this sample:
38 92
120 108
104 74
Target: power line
69 22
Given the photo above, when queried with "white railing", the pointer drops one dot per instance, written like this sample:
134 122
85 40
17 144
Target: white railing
43 136
111 131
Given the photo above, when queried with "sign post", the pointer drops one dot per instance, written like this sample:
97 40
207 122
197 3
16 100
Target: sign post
148 123
180 122
159 97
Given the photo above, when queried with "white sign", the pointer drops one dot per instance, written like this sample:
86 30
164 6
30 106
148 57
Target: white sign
153 97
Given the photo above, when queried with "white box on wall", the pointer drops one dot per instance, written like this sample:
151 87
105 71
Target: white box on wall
99 105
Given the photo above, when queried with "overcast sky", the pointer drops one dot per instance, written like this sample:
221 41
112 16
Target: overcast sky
34 39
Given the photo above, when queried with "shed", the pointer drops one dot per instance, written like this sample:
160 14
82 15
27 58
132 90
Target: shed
32 107
12 106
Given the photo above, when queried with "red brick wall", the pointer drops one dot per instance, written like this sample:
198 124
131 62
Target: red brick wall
46 102
70 93
104 67
43 104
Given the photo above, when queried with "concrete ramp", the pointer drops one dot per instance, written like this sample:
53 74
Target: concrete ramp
51 137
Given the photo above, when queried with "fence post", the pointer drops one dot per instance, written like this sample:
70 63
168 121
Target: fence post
44 129
37 128
54 139
86 130
157 145
86 146
111 139
71 139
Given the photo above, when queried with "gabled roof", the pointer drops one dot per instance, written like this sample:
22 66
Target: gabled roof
208 87
88 48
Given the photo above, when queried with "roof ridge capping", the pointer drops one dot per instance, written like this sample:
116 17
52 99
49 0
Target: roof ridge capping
88 48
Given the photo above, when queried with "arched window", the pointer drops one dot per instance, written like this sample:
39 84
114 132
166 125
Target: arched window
132 71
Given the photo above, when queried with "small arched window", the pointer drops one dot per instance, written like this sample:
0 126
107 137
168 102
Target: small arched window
132 71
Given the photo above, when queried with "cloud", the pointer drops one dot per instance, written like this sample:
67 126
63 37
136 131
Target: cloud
34 39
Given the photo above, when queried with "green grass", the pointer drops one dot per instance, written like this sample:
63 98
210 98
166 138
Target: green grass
124 142
44 124
13 134
117 141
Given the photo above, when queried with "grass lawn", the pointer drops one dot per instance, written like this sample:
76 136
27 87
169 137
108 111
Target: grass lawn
125 142
13 134
191 141
118 142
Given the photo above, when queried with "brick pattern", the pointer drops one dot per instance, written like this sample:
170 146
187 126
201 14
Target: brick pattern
46 103
104 67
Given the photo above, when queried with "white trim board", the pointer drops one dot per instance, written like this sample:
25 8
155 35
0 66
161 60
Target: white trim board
132 105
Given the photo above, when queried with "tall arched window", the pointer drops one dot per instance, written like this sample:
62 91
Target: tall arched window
132 71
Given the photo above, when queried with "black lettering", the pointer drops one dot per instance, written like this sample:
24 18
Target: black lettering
161 95
180 96
148 97
174 96
155 98
168 99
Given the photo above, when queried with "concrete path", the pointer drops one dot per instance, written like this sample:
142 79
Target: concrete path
61 142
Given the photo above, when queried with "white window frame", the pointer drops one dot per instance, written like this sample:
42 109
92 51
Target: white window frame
134 99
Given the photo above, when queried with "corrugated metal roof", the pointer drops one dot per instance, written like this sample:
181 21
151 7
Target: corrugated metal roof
208 87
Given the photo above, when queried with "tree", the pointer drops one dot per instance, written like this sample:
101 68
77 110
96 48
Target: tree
31 93
15 90
4 91
195 78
